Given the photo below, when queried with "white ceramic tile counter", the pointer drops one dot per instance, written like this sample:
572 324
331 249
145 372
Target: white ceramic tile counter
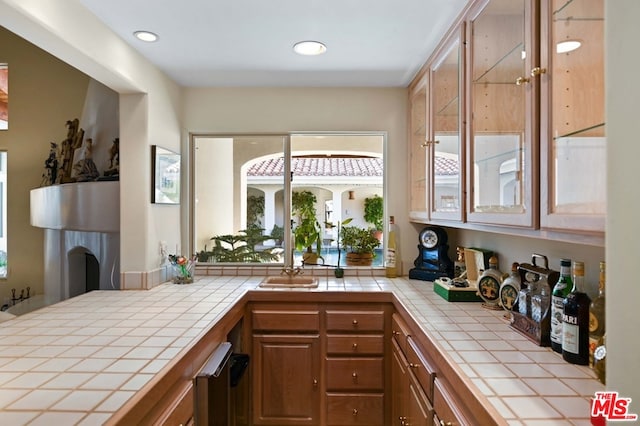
79 361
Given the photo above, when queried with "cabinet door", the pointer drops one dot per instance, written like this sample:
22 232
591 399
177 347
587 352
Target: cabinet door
286 373
502 121
417 149
573 134
446 407
399 386
446 131
419 410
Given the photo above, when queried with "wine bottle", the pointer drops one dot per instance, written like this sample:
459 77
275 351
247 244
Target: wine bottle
575 320
391 270
597 316
560 290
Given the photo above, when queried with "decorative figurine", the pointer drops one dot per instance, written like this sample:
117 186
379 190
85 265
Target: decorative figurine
85 170
50 166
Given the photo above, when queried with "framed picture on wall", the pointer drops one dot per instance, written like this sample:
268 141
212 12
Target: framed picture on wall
165 178
4 96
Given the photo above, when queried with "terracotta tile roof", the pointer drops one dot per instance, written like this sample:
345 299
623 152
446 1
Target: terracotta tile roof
320 166
339 166
446 166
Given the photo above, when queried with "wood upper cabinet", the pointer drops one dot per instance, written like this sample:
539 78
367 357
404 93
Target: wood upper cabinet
573 138
446 131
526 129
502 176
437 135
417 149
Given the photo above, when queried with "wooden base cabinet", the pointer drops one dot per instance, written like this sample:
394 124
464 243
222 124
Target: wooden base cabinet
286 373
354 364
411 379
286 365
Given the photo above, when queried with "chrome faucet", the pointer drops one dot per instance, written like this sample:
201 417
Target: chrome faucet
291 271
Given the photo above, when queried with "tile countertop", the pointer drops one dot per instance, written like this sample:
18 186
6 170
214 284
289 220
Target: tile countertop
80 360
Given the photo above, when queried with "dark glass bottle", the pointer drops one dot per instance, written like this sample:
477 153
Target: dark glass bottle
575 320
560 291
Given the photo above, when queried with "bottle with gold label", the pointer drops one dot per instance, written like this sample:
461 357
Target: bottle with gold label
391 267
597 316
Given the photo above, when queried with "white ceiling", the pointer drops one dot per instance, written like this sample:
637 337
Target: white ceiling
207 43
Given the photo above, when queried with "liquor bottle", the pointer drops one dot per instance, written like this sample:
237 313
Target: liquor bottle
510 288
575 317
560 290
597 316
391 270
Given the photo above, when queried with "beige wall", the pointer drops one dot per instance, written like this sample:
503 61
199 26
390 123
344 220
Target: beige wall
149 114
45 93
283 110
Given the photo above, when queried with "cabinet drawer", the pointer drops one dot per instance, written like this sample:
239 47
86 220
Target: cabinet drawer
421 368
355 373
446 408
355 320
355 409
399 331
355 344
283 320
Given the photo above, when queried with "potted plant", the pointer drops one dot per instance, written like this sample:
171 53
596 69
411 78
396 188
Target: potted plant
373 214
338 271
307 233
361 245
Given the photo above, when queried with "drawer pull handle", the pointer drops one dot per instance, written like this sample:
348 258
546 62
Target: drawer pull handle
395 333
402 420
442 423
355 346
315 382
355 376
355 322
355 411
412 365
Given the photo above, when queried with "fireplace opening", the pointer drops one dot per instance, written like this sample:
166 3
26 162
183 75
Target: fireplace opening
84 271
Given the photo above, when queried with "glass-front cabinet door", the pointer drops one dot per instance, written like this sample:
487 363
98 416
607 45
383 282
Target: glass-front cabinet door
502 119
444 144
417 149
573 148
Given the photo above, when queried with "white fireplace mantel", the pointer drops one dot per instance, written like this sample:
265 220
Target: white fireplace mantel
78 218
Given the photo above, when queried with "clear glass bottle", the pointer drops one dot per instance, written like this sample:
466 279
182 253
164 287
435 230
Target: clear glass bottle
575 317
391 270
597 315
560 291
540 300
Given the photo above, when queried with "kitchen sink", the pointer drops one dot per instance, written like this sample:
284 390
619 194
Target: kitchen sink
291 282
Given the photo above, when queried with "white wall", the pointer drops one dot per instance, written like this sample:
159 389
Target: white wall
623 226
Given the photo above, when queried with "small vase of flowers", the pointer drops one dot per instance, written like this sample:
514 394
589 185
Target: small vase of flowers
183 268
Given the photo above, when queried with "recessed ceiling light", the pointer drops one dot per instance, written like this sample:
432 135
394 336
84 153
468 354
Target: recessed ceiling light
146 36
309 48
567 46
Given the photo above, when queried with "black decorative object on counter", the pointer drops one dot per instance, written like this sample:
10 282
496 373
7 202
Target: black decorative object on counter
433 258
